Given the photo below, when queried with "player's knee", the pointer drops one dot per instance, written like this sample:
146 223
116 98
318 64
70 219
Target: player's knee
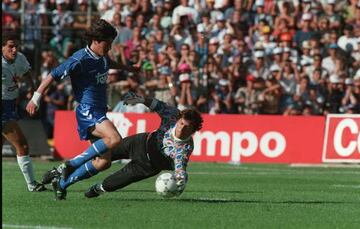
113 140
102 165
22 149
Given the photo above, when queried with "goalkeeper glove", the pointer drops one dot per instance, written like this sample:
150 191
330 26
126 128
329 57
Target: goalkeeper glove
180 182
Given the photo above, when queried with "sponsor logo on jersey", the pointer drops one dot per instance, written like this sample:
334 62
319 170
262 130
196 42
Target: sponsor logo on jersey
101 78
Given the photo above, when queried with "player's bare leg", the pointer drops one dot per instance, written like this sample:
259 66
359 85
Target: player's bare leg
83 166
12 133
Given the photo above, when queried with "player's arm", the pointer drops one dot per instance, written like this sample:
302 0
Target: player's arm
121 66
71 66
181 159
153 104
35 100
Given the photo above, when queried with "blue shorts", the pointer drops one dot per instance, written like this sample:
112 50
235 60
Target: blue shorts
88 116
8 111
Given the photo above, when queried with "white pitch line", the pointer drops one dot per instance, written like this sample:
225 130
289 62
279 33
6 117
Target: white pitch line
277 172
32 227
346 186
291 170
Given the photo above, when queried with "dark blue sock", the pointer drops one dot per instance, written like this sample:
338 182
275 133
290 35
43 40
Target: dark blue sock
83 172
98 148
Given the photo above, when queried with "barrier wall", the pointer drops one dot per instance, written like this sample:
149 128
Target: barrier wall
35 136
240 138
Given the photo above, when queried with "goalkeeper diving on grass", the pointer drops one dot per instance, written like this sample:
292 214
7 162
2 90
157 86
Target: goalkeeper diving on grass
167 148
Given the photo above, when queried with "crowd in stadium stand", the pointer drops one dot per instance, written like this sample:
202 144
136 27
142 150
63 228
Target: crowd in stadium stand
297 57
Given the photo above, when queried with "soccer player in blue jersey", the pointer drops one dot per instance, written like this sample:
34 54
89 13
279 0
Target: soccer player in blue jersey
15 67
167 148
87 69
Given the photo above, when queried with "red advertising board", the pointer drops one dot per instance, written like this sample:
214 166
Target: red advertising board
342 139
224 138
260 139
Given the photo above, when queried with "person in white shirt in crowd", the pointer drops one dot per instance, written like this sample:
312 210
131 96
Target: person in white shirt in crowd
184 10
259 69
348 41
116 8
276 57
329 62
220 28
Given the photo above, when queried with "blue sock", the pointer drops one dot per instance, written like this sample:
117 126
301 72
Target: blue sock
98 148
83 172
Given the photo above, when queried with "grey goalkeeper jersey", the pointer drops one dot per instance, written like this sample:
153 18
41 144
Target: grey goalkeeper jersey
11 73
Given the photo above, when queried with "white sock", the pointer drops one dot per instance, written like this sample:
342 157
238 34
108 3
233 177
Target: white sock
26 168
100 189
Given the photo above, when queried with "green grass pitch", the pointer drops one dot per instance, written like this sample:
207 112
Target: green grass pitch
217 196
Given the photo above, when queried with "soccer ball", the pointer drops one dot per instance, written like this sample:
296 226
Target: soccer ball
165 185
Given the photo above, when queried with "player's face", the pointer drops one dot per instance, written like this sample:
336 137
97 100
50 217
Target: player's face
9 50
184 129
103 47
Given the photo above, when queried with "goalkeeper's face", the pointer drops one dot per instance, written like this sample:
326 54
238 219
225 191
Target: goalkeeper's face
10 49
184 128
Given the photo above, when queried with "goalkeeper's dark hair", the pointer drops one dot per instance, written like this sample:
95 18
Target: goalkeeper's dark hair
100 30
9 35
194 117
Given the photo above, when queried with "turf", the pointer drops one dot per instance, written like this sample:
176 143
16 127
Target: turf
217 196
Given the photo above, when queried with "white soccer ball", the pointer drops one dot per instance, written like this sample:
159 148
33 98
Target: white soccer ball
165 185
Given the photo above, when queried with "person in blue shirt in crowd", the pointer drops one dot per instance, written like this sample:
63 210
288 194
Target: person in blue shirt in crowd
88 70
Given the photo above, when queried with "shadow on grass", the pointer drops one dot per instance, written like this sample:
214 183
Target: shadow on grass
209 200
197 191
228 201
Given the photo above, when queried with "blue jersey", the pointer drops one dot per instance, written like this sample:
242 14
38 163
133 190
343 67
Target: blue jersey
88 74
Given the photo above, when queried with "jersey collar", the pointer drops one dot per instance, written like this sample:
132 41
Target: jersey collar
91 53
6 61
178 139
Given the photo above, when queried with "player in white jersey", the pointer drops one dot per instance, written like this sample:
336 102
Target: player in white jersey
15 67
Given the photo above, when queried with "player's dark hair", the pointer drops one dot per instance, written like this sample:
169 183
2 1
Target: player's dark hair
100 30
9 36
193 116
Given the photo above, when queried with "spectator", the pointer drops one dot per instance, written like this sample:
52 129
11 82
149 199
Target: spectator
348 42
186 98
163 87
134 42
104 5
81 22
270 97
115 8
288 82
180 36
335 94
334 17
306 32
49 61
124 35
182 10
329 63
259 70
142 8
114 90
62 21
237 71
285 17
34 19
